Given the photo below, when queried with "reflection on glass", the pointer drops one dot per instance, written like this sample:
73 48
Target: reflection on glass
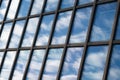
16 35
80 25
67 3
21 64
71 64
35 65
0 26
61 28
51 5
7 65
52 64
118 30
114 71
5 35
1 56
24 7
37 7
13 8
102 26
95 63
85 1
3 8
45 29
30 32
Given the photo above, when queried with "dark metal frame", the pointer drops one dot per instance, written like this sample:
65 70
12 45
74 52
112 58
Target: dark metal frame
86 44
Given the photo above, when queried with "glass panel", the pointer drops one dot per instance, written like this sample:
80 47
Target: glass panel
35 65
51 5
52 64
80 25
61 28
45 29
118 30
0 26
5 35
21 64
72 64
1 56
24 7
16 35
95 63
3 8
37 7
114 71
7 65
67 3
102 26
85 1
30 32
13 8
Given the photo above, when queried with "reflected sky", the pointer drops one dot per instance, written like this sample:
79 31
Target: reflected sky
7 65
95 63
102 26
45 29
61 28
16 35
118 30
114 71
35 65
51 69
30 32
85 1
80 25
5 35
21 64
1 56
72 64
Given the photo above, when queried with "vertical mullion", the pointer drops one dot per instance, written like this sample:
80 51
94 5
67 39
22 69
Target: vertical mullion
111 43
87 40
67 40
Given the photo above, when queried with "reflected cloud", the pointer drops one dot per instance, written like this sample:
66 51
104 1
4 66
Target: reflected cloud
1 56
85 1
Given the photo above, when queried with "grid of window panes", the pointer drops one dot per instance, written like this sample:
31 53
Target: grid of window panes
59 40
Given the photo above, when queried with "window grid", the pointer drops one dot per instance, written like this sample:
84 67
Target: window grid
86 44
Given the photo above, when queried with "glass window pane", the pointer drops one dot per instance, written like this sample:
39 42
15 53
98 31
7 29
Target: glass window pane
5 35
1 56
24 8
51 5
80 25
45 30
13 9
51 69
85 1
35 65
102 26
118 30
3 8
95 63
16 35
30 32
37 7
61 28
72 64
7 65
114 71
21 64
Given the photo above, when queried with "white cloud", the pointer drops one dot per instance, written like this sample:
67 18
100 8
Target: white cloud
59 40
49 77
69 77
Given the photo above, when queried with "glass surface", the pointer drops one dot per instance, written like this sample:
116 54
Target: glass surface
35 65
51 5
114 70
37 7
67 3
6 69
118 30
61 28
95 63
85 1
102 26
0 26
24 8
30 32
3 8
21 64
13 9
16 35
72 64
52 64
45 29
80 25
5 35
1 56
